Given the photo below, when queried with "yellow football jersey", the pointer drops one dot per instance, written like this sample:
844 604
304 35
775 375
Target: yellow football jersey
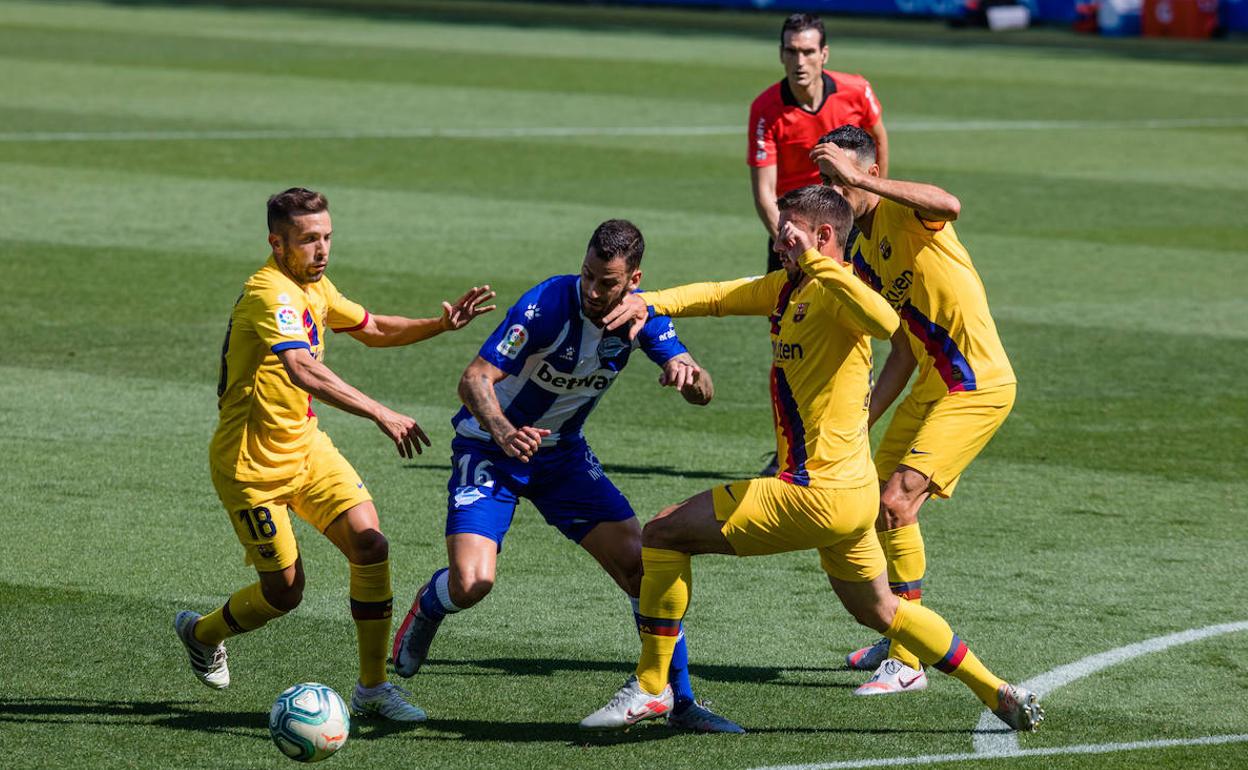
925 272
821 361
266 423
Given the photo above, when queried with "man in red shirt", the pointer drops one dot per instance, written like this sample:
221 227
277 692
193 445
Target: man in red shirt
788 118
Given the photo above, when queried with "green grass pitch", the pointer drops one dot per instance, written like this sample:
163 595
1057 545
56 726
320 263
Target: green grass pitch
1104 193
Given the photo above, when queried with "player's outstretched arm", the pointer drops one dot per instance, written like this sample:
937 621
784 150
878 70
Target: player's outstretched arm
930 202
383 331
893 378
744 296
319 380
476 390
693 382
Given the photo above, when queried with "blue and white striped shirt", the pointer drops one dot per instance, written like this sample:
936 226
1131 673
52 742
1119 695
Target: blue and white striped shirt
558 363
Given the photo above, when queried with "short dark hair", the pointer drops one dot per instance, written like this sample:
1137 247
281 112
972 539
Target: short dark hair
800 22
618 238
295 202
852 138
822 206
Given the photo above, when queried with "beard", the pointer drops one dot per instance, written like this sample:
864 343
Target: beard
596 313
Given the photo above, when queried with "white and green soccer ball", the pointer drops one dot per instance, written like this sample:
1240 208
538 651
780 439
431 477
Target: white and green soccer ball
309 722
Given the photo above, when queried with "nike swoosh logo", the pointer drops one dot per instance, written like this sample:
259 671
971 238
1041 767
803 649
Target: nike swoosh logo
653 707
917 452
728 489
904 684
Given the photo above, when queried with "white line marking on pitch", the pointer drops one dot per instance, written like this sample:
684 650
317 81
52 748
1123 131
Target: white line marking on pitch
990 743
556 132
997 742
1089 748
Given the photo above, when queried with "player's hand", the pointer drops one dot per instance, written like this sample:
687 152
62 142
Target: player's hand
679 374
523 443
467 307
836 165
794 241
632 311
403 431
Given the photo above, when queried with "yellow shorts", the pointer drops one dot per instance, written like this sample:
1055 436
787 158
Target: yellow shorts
940 438
767 515
324 488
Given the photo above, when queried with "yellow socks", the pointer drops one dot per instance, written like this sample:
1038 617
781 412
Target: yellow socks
371 600
928 635
907 561
665 590
245 611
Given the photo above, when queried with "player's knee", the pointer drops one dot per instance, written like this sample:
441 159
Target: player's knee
660 533
284 597
897 509
369 547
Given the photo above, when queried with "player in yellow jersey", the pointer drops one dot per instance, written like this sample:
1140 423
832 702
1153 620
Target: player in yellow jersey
826 496
908 251
268 454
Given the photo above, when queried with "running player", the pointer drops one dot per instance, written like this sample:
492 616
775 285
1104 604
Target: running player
526 397
826 496
908 251
268 453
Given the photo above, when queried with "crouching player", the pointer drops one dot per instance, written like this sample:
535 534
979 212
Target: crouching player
825 496
526 397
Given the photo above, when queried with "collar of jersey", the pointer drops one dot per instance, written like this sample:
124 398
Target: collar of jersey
786 93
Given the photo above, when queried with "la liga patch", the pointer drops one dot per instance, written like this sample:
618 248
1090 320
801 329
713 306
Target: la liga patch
513 342
288 320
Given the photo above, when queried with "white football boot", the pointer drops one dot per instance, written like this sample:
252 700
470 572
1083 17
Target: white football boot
207 661
893 676
628 706
1018 708
386 701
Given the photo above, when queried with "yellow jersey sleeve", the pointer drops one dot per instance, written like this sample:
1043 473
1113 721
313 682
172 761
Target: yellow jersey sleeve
923 270
265 422
865 309
342 315
276 315
744 296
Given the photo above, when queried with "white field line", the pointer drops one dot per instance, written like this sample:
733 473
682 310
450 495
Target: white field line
581 131
1089 748
988 741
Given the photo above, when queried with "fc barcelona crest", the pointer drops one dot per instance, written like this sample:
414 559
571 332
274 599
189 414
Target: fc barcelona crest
799 312
886 248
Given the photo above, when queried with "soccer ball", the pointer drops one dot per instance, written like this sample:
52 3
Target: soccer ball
309 722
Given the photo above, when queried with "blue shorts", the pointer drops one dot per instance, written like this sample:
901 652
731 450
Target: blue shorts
567 485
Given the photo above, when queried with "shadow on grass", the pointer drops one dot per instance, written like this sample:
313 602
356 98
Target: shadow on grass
573 736
176 715
513 732
774 675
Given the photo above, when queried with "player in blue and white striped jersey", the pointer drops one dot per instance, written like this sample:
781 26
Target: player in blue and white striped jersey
526 397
